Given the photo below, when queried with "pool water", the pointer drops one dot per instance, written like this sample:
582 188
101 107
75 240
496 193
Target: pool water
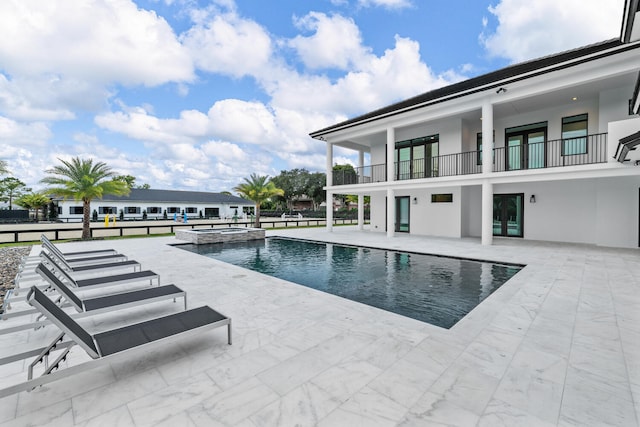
433 289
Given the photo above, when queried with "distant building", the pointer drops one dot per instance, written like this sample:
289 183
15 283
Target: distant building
156 202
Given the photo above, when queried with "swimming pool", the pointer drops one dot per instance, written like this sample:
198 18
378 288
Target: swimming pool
434 289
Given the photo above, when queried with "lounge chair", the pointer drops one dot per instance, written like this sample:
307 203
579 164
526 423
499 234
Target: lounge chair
88 283
63 264
108 346
46 242
77 258
95 305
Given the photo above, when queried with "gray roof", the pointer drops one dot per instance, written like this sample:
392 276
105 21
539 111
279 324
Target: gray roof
175 196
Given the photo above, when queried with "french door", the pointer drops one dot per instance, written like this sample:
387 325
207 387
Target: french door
526 147
508 215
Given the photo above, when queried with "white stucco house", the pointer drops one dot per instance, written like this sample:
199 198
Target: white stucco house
540 150
156 202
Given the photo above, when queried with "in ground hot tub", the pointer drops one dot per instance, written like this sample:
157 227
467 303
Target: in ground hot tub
200 236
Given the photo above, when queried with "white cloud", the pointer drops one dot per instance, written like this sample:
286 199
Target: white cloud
373 82
16 135
389 4
336 42
531 29
94 40
224 43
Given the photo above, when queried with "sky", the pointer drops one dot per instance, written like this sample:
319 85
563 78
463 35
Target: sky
197 95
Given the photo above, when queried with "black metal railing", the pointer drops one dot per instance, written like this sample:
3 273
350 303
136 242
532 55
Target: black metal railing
447 165
584 150
360 175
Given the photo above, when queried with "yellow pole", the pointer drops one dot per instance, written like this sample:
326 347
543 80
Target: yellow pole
106 220
114 220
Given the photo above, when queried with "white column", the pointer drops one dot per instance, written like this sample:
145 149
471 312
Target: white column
487 211
487 137
329 201
391 212
329 164
391 199
361 196
391 148
329 215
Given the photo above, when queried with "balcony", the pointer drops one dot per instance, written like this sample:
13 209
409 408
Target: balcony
586 150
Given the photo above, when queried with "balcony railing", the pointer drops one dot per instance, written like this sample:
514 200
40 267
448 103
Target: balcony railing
549 154
585 150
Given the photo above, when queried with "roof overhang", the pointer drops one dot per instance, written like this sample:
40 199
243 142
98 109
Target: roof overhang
630 21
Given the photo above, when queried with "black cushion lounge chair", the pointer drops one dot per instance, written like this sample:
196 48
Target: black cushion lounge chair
99 304
46 242
63 264
108 346
81 260
87 283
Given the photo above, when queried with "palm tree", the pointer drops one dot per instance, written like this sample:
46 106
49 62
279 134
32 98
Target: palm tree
33 201
258 189
81 179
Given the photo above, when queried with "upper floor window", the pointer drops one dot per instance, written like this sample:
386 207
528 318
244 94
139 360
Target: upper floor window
417 158
173 209
75 210
132 210
191 210
154 210
574 135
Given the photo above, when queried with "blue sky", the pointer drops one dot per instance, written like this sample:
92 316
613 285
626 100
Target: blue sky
194 94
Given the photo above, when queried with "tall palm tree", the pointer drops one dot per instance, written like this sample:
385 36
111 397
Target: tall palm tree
81 179
258 189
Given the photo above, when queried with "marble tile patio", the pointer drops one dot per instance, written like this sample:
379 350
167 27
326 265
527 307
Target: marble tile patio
559 344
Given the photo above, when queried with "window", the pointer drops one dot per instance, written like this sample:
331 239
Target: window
75 210
103 210
173 209
442 198
191 210
154 210
479 146
132 210
417 158
574 135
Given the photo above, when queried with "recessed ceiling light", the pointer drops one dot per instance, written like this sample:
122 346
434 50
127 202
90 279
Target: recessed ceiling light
575 98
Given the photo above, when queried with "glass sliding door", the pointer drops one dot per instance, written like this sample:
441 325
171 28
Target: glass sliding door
402 214
417 158
508 215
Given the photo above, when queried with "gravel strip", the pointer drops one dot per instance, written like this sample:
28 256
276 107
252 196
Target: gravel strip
9 260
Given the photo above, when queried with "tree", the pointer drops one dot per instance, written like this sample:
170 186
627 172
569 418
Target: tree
314 188
33 201
344 174
258 189
83 180
130 180
12 188
4 170
293 185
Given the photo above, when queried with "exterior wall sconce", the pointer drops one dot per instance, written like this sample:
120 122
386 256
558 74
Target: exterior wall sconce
532 199
501 90
415 200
